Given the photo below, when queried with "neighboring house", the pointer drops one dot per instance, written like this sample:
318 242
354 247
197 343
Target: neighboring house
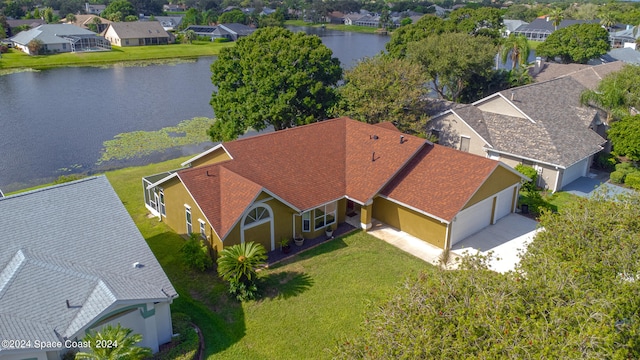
168 23
88 267
372 20
202 30
540 28
137 33
232 31
541 125
14 24
626 38
587 75
267 11
174 7
83 21
94 9
511 25
336 17
57 38
300 181
351 18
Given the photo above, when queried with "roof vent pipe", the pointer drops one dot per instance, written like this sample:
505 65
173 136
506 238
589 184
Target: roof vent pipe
401 139
512 95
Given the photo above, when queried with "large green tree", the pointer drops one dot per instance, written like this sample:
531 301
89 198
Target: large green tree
573 296
114 343
625 137
426 26
617 93
119 9
386 89
451 60
577 43
273 77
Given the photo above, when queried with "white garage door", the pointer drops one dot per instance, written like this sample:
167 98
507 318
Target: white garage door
471 220
574 172
503 204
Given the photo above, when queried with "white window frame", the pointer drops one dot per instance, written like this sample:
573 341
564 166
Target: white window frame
324 215
188 219
306 217
163 209
468 138
203 231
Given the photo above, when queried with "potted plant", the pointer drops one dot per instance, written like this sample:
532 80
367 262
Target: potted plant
285 244
328 231
298 239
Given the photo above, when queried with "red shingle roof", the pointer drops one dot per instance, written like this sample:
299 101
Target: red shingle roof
440 180
311 165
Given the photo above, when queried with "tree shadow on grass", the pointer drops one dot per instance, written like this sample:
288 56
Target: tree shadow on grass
286 284
202 295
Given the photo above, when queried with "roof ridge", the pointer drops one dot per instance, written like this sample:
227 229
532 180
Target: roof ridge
52 187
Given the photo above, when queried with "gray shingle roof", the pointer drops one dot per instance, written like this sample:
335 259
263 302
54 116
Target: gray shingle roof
559 133
73 242
50 34
587 75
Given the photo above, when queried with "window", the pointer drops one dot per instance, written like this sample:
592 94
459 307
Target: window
464 143
306 221
256 215
324 215
163 211
203 233
188 217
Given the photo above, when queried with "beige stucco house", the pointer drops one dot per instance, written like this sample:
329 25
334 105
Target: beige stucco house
541 125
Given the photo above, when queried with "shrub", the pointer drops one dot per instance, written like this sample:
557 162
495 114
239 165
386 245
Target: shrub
185 346
4 48
68 178
195 253
529 172
633 180
220 40
617 177
606 161
625 167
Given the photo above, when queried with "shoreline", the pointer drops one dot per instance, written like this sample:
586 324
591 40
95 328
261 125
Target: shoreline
16 61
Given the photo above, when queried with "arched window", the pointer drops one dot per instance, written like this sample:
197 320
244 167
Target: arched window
256 216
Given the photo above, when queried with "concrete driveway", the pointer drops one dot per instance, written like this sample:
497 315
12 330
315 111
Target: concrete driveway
506 239
588 186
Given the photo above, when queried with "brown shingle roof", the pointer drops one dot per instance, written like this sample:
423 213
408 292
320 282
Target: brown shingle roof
440 180
587 75
311 165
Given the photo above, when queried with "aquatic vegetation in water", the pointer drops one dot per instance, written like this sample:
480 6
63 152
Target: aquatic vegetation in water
141 143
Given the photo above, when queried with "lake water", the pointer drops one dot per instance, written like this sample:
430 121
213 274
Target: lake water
54 122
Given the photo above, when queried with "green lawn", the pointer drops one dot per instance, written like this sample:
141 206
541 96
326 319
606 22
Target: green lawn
546 199
16 59
309 303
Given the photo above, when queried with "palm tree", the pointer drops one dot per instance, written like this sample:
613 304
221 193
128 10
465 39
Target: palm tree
239 262
112 343
518 47
607 20
189 36
556 17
